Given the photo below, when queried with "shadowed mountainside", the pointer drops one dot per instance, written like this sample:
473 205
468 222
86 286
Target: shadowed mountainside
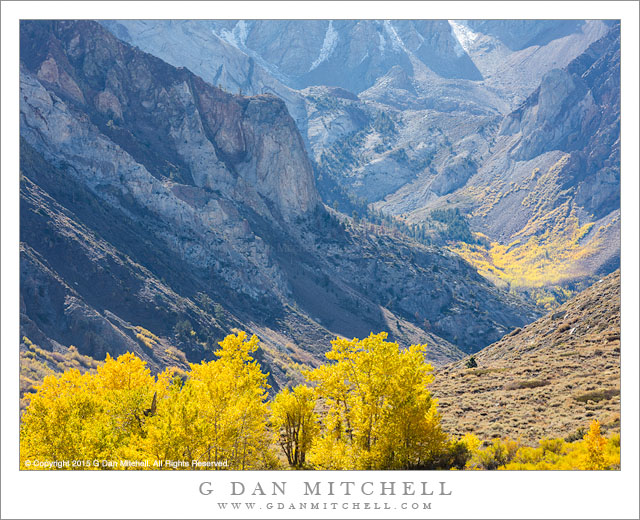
159 213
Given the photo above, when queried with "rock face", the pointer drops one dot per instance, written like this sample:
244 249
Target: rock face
445 84
520 34
577 110
153 200
194 44
549 379
316 52
126 94
553 164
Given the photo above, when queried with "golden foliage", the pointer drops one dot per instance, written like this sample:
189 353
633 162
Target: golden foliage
595 447
380 413
293 417
36 363
545 254
218 416
551 248
123 413
369 408
593 452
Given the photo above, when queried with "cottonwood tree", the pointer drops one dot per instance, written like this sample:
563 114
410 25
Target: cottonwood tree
293 417
380 413
99 416
219 414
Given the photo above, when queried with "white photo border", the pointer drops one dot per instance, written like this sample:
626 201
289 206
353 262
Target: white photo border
156 494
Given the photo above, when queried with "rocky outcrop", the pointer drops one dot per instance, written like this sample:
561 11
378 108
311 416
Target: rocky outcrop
577 110
445 83
520 34
454 175
129 95
153 200
569 129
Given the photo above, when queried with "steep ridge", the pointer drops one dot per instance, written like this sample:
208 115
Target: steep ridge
546 195
158 213
547 379
302 53
195 45
444 85
513 55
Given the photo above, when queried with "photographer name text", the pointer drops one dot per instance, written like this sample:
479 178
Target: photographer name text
329 488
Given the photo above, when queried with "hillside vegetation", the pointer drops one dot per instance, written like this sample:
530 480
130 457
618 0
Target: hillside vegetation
368 408
547 379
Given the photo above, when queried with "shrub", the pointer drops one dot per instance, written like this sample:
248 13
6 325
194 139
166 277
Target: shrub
183 330
147 338
498 453
591 451
532 383
598 395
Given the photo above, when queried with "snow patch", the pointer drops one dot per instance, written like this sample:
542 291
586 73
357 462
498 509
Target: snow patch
241 29
328 46
464 36
396 42
237 36
382 43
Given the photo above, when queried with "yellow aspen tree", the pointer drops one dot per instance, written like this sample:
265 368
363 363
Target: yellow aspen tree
218 416
98 416
293 418
127 392
55 424
595 445
380 412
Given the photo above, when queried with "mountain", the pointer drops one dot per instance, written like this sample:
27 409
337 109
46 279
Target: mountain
159 213
303 53
548 379
443 115
547 193
444 85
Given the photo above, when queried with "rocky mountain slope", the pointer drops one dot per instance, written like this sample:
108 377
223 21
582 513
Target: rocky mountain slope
547 195
548 379
444 84
439 115
159 212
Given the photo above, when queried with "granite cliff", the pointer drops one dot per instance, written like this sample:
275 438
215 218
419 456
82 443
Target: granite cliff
159 212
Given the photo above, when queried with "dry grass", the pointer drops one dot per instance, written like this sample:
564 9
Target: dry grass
597 395
542 381
146 338
176 356
532 383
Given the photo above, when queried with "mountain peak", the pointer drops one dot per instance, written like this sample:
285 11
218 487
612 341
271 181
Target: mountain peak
139 101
